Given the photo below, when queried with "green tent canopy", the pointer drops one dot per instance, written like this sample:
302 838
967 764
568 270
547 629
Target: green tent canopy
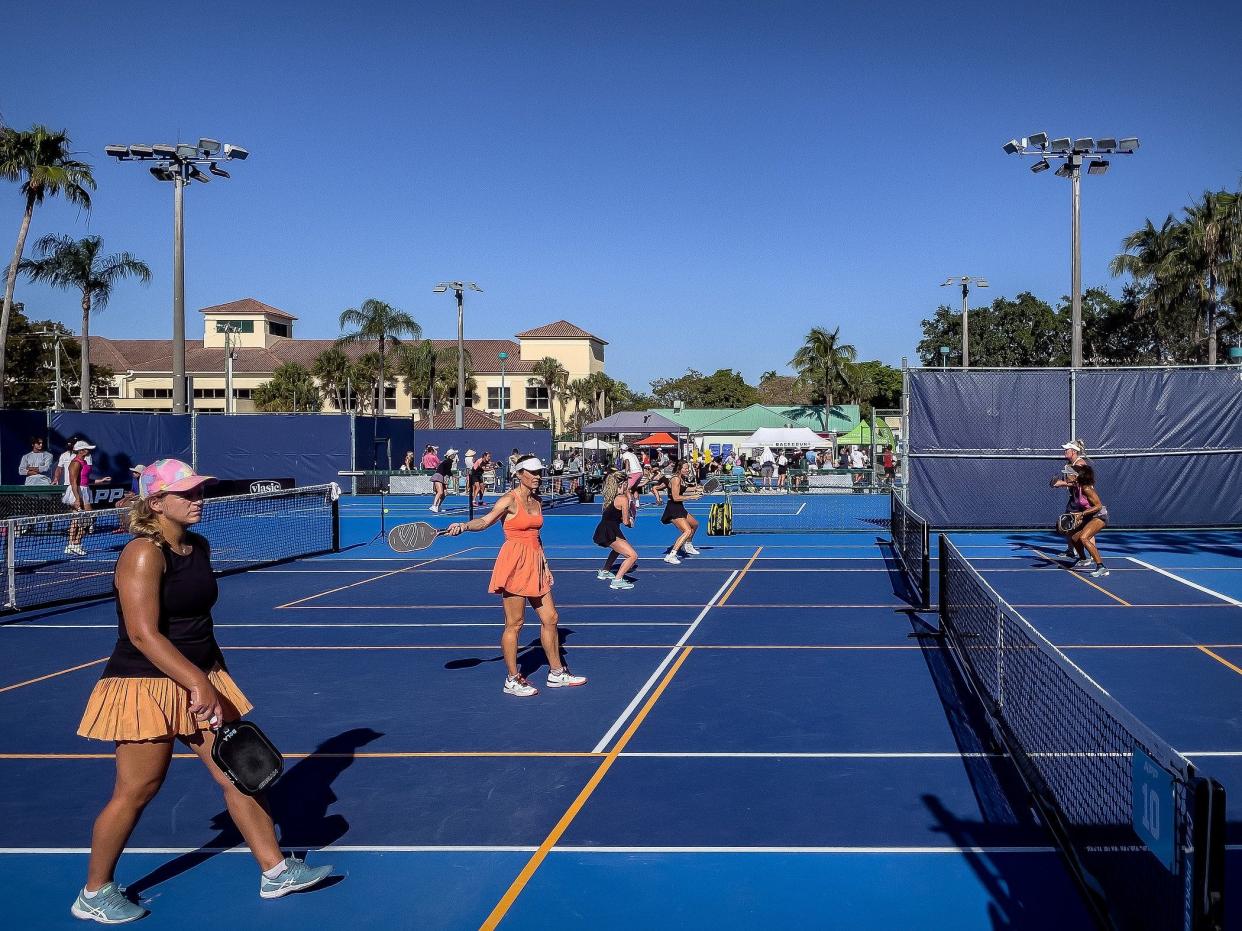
861 435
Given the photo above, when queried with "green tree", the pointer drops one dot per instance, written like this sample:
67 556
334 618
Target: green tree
332 369
77 264
292 388
418 364
32 354
378 323
1211 256
42 161
554 377
821 361
445 379
1017 333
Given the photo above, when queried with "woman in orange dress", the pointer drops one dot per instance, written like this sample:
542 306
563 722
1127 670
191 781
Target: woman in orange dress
521 574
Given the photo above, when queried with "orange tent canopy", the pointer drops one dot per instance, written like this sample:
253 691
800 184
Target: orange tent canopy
657 439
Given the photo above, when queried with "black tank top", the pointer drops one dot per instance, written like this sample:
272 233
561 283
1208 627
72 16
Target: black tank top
611 515
188 591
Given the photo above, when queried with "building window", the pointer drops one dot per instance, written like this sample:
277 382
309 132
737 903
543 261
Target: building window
234 326
155 393
244 393
537 397
494 399
108 391
278 329
390 397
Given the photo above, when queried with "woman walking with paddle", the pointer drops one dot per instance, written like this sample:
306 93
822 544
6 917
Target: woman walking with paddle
675 512
521 574
166 679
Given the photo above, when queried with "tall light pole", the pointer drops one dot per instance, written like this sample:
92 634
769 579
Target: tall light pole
965 281
180 164
503 357
229 330
458 287
1071 153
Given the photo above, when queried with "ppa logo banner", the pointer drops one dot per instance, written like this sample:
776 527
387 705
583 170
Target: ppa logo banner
108 495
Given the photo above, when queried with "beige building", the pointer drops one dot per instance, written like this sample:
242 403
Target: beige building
263 338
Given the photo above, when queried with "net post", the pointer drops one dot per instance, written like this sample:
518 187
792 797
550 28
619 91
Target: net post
942 574
10 563
1207 802
925 567
336 524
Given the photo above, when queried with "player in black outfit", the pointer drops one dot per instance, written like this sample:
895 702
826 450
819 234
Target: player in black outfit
608 532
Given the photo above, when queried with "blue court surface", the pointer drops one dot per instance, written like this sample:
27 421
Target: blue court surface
761 738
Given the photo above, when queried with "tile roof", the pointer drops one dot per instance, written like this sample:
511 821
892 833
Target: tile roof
472 419
247 305
521 415
561 329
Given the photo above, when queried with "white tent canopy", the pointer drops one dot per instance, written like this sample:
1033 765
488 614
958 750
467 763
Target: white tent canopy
786 438
594 443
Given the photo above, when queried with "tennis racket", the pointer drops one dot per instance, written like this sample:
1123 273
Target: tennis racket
1068 522
246 756
410 538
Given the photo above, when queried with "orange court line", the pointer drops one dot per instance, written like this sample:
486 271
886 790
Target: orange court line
53 675
394 755
1081 578
1221 659
736 581
376 578
515 889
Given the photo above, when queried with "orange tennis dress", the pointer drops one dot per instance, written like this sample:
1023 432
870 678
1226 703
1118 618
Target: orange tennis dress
521 568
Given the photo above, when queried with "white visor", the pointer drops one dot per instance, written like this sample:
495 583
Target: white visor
529 464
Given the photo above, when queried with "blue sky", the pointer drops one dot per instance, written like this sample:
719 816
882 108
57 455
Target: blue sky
698 183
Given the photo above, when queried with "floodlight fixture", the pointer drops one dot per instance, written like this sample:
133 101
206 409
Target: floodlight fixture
1042 165
218 171
1060 145
1084 144
1097 166
965 281
1064 171
949 281
1039 140
1128 145
440 288
1106 144
117 151
474 287
141 151
1012 147
164 151
236 151
197 175
982 283
161 173
208 146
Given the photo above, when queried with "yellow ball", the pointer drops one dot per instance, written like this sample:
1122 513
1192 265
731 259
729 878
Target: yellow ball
385 510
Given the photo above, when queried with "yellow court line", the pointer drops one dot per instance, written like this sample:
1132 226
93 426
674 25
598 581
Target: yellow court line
736 581
394 755
385 575
1081 578
1221 659
515 888
53 675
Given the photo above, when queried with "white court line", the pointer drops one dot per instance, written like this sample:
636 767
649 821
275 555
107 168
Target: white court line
816 756
633 705
353 848
1177 578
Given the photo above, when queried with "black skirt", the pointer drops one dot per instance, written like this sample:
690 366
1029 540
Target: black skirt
606 532
673 510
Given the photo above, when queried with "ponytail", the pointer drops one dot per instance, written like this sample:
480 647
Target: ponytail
144 522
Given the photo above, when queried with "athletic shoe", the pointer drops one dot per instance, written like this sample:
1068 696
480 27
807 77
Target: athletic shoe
296 877
519 687
108 906
671 559
1068 554
565 678
604 575
621 584
690 550
433 509
1083 564
70 550
1100 572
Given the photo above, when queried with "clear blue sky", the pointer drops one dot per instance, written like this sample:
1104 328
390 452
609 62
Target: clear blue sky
698 183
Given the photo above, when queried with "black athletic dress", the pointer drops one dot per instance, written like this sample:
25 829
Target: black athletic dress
609 527
674 509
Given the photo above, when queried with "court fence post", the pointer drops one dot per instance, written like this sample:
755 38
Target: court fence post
942 575
1073 403
905 430
10 563
194 440
353 453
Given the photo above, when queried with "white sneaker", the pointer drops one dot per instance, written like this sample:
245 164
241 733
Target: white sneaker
621 584
1100 572
70 550
1083 564
690 550
604 575
671 559
564 678
519 687
433 509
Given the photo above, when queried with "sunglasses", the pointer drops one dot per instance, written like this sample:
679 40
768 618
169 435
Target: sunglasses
193 494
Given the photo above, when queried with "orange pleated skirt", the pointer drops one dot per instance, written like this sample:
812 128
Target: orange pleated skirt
521 569
153 708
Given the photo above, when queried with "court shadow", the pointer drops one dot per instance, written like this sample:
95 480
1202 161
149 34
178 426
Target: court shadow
530 657
299 803
901 585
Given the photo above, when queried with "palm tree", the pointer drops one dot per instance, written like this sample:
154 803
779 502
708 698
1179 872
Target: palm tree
378 322
40 159
822 360
291 388
1148 258
582 392
332 369
417 365
554 377
768 376
444 375
1209 256
76 263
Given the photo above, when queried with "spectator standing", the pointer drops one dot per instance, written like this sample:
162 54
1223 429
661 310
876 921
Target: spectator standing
60 475
36 465
767 465
890 465
431 457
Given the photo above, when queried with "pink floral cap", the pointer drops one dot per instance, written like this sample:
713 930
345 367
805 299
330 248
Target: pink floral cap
173 475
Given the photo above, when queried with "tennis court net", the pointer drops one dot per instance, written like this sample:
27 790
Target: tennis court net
863 508
1141 829
31 500
57 558
911 537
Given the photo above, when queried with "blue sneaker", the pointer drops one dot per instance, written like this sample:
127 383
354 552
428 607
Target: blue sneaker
108 906
296 877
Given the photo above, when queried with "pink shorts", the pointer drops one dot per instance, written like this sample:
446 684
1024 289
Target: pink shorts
635 478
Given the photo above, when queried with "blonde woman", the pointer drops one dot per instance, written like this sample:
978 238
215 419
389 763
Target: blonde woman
167 679
608 533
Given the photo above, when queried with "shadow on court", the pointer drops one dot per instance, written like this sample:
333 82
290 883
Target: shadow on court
299 802
530 657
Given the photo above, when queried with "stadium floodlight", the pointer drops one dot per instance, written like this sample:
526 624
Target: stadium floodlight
965 281
1013 147
458 288
1071 154
180 163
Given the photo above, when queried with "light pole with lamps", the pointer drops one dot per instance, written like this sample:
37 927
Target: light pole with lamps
1071 153
503 357
965 281
180 164
458 287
